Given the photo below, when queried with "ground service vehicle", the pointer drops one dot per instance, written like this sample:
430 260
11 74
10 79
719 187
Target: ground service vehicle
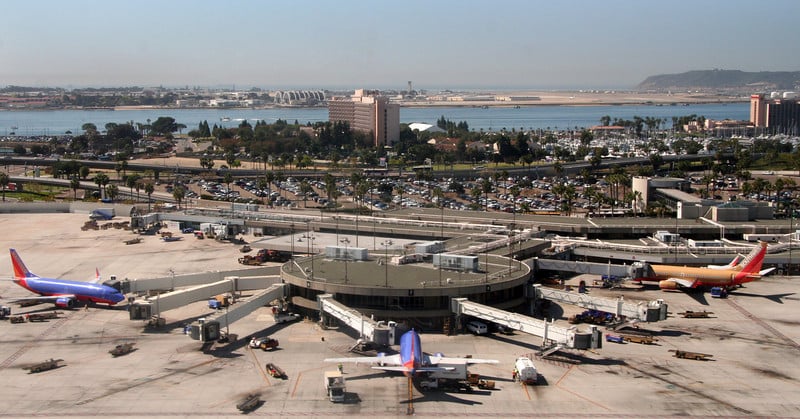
5 311
123 349
266 255
264 344
476 380
645 340
697 356
526 371
283 317
40 317
477 327
249 402
719 292
695 314
335 385
276 371
44 366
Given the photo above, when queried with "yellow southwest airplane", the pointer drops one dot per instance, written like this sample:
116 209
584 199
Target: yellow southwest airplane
676 277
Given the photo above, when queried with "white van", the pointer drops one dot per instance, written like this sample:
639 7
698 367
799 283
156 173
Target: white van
477 327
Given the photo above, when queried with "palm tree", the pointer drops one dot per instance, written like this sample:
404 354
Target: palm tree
227 179
132 181
149 188
4 179
558 168
101 179
75 184
330 187
178 193
305 189
269 177
112 191
486 187
399 189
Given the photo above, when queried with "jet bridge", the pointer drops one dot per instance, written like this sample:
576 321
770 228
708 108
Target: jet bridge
585 267
167 301
651 311
209 329
172 282
553 337
367 328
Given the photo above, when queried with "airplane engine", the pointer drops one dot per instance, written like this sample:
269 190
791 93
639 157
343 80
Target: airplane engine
65 303
667 285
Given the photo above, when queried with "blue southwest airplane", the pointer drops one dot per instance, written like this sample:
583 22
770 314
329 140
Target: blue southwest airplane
411 361
63 293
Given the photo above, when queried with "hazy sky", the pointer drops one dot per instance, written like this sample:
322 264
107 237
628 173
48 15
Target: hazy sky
382 43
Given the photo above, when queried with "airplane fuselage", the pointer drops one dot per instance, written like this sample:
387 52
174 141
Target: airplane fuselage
703 276
83 291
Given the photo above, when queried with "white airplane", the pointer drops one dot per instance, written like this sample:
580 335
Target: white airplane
411 361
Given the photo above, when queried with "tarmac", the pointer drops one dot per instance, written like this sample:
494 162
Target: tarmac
754 337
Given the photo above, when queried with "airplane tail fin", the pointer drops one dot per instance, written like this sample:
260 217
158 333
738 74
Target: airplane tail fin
753 261
20 270
733 263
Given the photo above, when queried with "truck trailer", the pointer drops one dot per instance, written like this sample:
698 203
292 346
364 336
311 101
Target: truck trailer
525 371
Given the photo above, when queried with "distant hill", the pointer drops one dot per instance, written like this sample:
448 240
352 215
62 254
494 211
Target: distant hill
724 79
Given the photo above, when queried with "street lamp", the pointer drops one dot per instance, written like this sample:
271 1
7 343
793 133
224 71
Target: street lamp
346 242
791 237
386 245
309 247
292 238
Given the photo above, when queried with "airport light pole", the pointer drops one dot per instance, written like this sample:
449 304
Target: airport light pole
791 237
292 240
386 245
309 248
346 242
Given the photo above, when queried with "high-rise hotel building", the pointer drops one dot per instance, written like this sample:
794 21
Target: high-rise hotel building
779 114
369 113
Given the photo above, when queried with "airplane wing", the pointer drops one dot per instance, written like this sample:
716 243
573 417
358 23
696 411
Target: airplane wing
42 298
435 360
393 360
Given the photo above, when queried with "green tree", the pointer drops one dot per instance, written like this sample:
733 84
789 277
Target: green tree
269 177
131 182
101 179
178 193
164 125
84 172
228 179
305 189
4 179
75 184
112 191
149 188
